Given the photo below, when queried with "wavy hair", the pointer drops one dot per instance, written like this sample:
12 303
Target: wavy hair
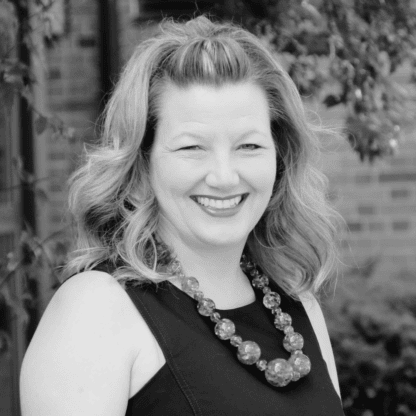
112 202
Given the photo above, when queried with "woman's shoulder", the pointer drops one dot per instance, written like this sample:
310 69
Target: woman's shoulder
91 294
91 303
96 285
83 348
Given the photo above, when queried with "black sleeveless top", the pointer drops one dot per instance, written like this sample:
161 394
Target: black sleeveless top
202 375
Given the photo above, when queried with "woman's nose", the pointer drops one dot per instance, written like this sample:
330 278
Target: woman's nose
222 174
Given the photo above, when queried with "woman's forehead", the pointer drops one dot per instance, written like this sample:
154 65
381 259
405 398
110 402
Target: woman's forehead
205 113
199 101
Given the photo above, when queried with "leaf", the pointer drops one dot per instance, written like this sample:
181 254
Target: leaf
9 25
15 304
14 80
5 342
331 100
69 133
12 262
27 93
41 195
41 124
24 176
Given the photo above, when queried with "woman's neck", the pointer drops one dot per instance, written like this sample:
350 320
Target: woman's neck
218 271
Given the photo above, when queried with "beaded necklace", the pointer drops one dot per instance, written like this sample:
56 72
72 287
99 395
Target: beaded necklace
278 372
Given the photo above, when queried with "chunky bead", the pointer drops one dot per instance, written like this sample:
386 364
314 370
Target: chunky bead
300 363
261 365
254 273
198 295
266 290
225 329
271 300
260 281
215 317
174 267
189 284
236 340
206 306
279 372
293 342
276 311
248 352
288 329
246 265
281 320
296 376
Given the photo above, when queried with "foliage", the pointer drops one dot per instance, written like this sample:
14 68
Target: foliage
372 323
363 43
16 77
25 25
31 256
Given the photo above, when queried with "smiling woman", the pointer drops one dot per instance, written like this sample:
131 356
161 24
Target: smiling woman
203 239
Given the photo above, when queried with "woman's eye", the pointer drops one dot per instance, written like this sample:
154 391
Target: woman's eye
190 148
251 146
248 146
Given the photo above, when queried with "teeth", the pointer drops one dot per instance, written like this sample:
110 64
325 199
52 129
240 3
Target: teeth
219 204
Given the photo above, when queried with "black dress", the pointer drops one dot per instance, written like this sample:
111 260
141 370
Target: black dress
202 375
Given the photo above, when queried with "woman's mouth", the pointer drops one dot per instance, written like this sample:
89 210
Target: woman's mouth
214 206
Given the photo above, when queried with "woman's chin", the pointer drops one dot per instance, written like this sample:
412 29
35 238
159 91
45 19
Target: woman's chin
221 240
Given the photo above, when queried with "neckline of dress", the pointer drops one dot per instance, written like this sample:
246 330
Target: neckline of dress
243 308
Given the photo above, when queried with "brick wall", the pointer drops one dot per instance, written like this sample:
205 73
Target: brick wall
378 202
73 83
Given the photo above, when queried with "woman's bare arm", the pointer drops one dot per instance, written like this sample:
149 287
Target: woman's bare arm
79 360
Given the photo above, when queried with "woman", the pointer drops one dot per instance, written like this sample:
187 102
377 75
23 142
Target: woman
205 169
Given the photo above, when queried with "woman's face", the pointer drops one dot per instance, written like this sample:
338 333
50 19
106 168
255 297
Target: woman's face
213 163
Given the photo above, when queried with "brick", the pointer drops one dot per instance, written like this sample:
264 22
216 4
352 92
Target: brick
332 195
363 179
392 264
354 226
376 226
401 225
87 41
55 187
401 161
400 193
56 218
54 73
398 177
366 209
360 246
57 92
398 243
60 174
74 106
399 209
57 155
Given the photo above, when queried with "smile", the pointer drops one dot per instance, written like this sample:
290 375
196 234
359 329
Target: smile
219 203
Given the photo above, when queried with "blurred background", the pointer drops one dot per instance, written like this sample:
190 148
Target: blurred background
354 62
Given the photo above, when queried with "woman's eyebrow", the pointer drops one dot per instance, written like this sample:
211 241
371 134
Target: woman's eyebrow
202 137
189 134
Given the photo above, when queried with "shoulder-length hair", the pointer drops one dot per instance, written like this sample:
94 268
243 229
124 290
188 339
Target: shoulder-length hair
113 205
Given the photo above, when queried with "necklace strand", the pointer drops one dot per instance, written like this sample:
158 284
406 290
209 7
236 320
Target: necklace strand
278 372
